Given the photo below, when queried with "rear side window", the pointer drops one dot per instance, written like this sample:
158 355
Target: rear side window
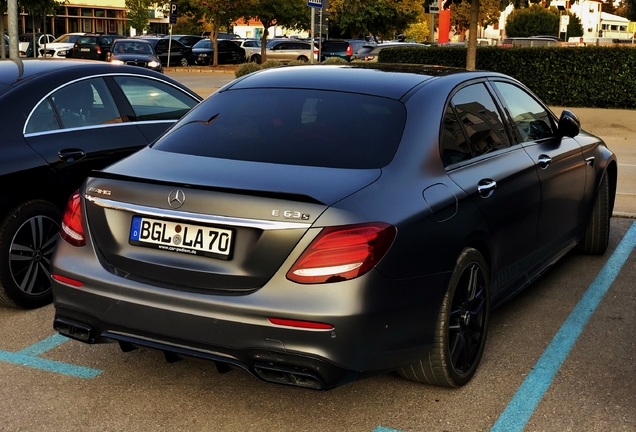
293 127
472 126
154 100
81 104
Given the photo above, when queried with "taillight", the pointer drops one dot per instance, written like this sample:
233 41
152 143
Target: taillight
66 280
72 230
343 253
349 50
99 50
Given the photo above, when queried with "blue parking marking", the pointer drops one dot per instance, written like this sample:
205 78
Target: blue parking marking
43 346
531 391
28 357
383 429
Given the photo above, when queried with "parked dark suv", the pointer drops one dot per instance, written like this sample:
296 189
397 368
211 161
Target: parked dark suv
341 48
93 46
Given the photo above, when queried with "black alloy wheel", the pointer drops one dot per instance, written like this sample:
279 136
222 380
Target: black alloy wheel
28 236
461 329
184 62
467 320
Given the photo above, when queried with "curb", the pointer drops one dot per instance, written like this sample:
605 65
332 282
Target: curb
202 69
624 215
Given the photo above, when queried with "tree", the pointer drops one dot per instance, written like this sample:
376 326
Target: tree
138 14
630 10
489 13
417 32
220 13
575 28
380 18
607 6
40 8
532 21
191 19
537 20
621 9
291 14
471 52
3 10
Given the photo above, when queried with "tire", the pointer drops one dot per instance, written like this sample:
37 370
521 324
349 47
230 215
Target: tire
461 328
28 235
256 58
184 62
596 238
303 59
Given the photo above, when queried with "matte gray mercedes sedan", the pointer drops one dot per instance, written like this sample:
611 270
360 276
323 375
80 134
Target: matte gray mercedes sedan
314 225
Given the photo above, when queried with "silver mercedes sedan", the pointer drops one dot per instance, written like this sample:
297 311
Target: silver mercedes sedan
313 225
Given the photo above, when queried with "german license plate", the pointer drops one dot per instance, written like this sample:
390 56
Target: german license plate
181 238
85 49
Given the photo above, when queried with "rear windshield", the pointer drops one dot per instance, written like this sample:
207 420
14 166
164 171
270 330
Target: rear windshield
293 127
87 40
335 46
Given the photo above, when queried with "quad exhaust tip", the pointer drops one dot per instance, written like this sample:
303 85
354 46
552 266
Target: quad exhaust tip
289 376
74 329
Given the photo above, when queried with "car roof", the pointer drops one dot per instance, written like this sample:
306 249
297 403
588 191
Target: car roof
385 80
13 71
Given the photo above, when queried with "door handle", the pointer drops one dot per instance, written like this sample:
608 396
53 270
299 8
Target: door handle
544 161
486 187
71 155
590 161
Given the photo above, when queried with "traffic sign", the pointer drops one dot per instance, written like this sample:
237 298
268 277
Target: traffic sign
174 7
315 3
433 7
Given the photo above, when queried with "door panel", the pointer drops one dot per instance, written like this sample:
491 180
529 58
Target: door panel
506 191
500 180
79 128
559 165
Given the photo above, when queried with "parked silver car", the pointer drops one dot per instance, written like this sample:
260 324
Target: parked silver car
252 49
286 50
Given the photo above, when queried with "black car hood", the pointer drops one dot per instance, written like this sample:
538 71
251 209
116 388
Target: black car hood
325 185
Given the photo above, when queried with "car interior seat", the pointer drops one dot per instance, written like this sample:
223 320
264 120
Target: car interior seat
73 104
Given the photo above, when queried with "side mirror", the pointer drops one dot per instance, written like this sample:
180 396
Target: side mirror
569 124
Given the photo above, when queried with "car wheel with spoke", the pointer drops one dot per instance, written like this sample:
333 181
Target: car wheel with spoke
28 235
461 328
184 62
303 59
256 58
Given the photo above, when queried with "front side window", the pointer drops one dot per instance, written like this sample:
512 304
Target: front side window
532 120
154 100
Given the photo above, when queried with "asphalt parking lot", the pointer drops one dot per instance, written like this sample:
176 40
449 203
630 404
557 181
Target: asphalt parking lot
561 356
577 382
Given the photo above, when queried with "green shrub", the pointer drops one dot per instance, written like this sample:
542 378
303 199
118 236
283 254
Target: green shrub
297 63
271 63
246 68
334 60
592 76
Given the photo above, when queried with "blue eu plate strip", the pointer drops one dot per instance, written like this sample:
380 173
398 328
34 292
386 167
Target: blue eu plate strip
531 391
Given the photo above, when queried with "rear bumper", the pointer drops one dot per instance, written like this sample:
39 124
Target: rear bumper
377 324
